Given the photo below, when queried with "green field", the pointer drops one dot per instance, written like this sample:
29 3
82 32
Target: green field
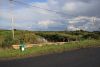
73 40
48 49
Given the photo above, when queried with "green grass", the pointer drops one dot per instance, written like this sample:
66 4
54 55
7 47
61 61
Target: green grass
48 49
32 37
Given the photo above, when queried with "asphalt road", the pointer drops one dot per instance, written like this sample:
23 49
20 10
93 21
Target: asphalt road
78 58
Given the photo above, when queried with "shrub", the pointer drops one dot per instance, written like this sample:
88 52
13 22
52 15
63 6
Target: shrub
58 37
91 36
7 41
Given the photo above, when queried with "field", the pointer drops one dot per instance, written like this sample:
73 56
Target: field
73 40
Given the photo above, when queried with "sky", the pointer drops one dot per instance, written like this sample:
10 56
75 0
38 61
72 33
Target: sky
55 15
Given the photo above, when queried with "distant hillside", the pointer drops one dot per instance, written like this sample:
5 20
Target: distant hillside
6 39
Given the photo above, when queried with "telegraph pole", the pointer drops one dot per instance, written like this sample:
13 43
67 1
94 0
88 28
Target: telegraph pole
12 18
93 21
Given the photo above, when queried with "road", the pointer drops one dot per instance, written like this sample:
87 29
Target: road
78 58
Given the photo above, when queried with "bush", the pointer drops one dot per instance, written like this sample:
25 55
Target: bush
91 36
57 37
29 37
7 41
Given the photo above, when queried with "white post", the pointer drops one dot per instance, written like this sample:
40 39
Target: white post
12 18
94 21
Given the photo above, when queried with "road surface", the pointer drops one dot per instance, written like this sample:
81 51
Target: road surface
78 58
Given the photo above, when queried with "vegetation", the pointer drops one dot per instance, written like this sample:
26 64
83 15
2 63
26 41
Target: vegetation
73 40
48 49
30 37
6 39
64 36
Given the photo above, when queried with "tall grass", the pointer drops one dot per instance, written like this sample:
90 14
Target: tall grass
48 49
6 39
30 37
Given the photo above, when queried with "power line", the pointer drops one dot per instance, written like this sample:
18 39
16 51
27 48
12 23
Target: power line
55 11
20 2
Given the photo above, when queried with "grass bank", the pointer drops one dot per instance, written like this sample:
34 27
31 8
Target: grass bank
47 49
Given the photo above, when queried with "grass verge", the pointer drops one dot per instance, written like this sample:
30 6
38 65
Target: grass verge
47 49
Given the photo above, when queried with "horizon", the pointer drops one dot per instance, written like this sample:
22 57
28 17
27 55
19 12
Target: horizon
51 15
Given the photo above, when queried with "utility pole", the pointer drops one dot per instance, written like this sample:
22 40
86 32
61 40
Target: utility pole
93 21
12 18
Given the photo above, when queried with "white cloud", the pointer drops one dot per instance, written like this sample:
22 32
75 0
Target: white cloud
69 9
46 23
84 23
79 19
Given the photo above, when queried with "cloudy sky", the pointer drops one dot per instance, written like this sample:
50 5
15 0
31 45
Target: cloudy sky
55 15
